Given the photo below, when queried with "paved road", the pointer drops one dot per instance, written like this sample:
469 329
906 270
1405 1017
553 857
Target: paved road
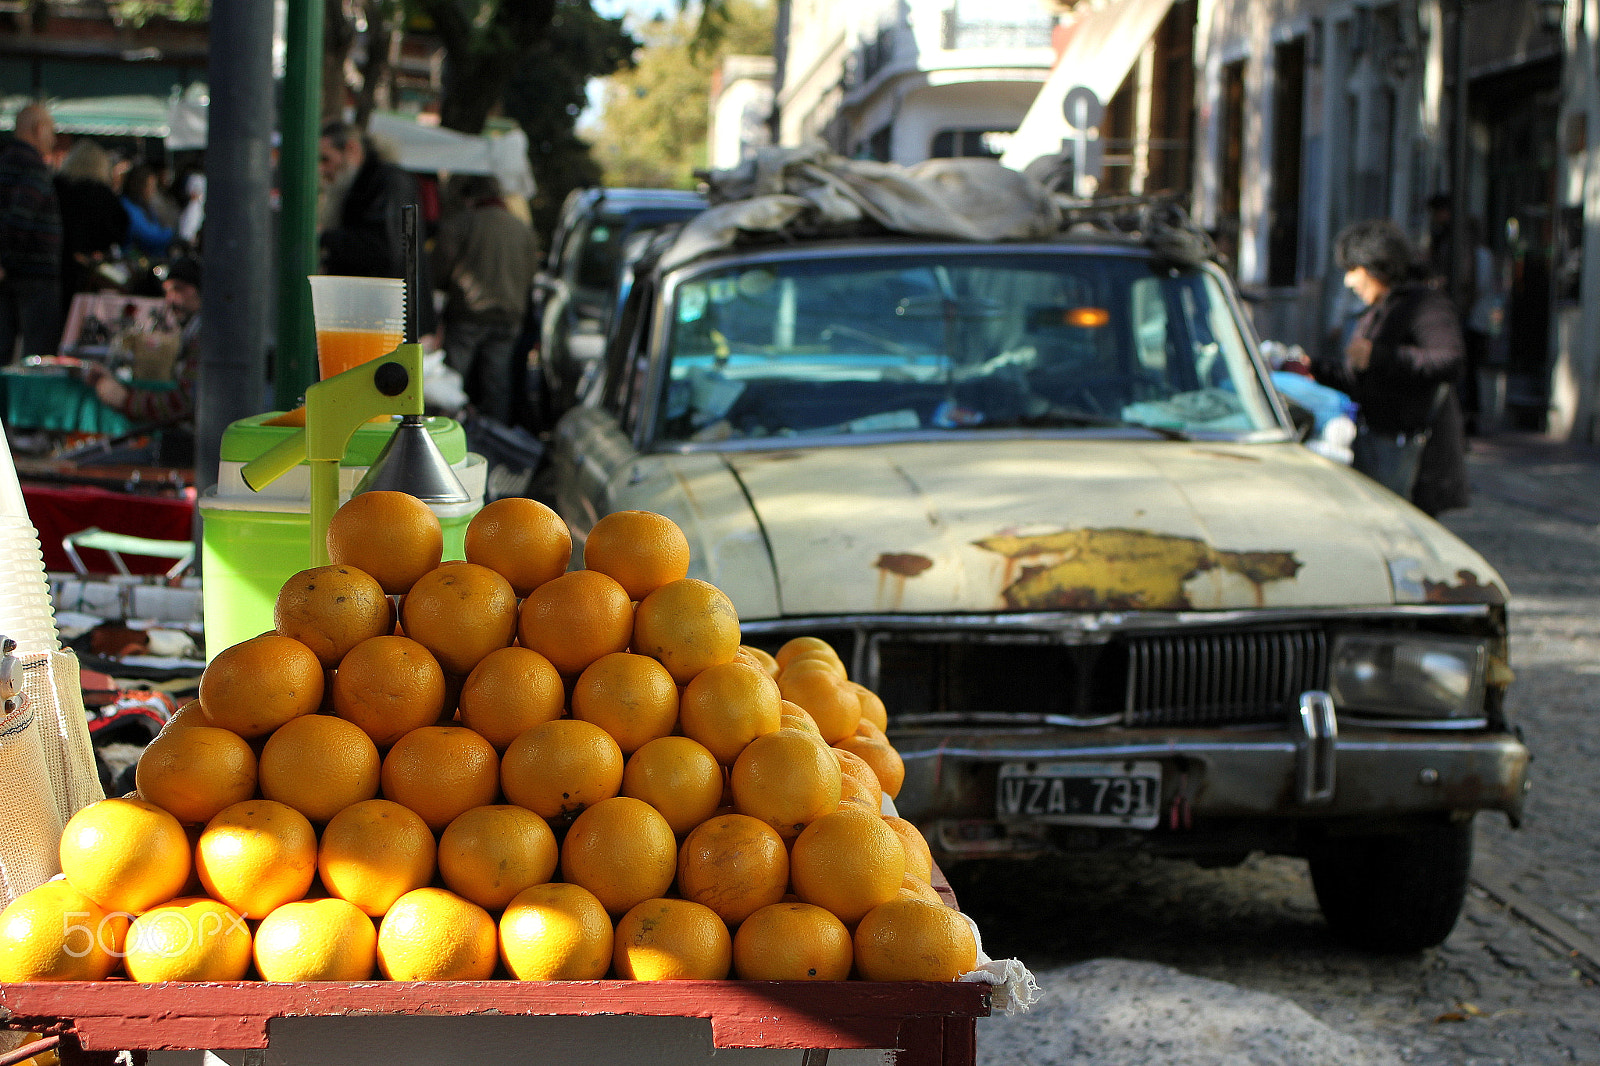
1506 987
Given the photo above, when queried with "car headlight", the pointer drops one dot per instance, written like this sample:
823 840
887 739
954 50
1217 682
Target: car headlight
1409 675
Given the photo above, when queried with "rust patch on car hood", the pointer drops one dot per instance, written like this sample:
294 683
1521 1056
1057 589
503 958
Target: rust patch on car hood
1121 569
989 525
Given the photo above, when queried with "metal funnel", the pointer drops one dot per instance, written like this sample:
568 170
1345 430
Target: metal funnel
412 463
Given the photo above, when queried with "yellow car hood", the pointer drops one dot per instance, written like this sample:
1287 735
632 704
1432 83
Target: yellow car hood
1024 525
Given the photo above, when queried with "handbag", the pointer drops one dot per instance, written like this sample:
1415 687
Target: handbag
1393 458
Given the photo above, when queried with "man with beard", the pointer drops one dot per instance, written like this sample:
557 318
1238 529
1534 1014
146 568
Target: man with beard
362 235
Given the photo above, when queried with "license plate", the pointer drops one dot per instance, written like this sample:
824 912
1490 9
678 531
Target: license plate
1121 794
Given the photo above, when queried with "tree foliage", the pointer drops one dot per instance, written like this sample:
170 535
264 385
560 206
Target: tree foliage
548 92
655 117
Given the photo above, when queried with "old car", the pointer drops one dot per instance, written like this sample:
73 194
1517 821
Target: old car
575 294
1041 497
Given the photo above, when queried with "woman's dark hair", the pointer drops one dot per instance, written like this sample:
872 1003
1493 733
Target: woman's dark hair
135 180
1381 247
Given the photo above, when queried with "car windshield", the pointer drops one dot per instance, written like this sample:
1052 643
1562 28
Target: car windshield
965 342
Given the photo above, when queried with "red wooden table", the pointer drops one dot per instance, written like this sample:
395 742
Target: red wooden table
930 1024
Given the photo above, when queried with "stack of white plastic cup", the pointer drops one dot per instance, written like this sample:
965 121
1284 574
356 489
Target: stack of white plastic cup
26 615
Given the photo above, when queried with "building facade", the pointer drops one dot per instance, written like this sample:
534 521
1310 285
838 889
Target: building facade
907 80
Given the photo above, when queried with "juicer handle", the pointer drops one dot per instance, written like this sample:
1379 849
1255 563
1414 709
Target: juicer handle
277 461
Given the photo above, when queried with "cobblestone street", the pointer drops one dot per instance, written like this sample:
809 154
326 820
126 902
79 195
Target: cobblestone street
1508 987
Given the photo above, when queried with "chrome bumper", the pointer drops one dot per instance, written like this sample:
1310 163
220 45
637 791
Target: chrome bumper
1309 771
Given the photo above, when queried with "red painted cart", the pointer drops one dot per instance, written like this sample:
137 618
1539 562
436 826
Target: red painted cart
464 1022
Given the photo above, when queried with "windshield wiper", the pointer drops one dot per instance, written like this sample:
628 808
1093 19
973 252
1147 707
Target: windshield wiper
1058 418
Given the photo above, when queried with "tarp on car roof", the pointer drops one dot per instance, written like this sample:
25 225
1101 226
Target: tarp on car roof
810 191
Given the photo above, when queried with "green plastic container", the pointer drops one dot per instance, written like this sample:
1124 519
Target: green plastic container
252 542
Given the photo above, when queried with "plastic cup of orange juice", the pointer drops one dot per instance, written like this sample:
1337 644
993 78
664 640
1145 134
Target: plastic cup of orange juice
357 319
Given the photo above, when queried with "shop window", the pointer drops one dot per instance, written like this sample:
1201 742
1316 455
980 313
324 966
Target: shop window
963 144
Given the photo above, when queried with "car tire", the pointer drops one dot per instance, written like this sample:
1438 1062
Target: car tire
1396 892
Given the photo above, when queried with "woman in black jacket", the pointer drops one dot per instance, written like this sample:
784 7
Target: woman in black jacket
1398 365
93 220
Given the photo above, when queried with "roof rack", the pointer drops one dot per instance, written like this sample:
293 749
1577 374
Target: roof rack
1158 221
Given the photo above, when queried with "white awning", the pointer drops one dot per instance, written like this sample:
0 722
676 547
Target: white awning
1101 49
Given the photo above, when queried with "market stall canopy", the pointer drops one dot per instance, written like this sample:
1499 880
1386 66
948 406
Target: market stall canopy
1101 47
99 116
181 123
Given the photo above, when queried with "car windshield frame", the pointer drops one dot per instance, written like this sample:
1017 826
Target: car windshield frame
648 414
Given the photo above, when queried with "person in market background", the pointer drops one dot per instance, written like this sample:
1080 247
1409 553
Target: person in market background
363 194
172 409
485 258
1399 366
93 221
146 232
30 238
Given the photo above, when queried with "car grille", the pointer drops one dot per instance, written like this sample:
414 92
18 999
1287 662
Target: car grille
1217 679
1162 680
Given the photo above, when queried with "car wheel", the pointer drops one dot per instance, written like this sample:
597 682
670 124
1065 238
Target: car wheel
1397 892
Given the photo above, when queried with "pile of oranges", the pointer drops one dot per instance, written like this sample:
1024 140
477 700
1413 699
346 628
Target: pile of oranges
519 771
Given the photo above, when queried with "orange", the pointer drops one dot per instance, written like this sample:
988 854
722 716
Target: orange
854 793
758 657
733 864
727 706
622 850
671 940
196 770
788 779
511 690
431 934
872 708
575 619
392 536
489 854
561 767
632 697
914 940
125 854
792 942
189 939
189 714
56 933
556 932
389 686
688 625
331 609
854 767
825 695
373 853
918 888
319 765
257 855
795 716
879 754
325 939
460 612
919 857
642 550
676 776
806 647
257 685
441 771
847 862
522 540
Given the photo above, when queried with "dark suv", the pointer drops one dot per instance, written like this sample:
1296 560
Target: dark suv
576 293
